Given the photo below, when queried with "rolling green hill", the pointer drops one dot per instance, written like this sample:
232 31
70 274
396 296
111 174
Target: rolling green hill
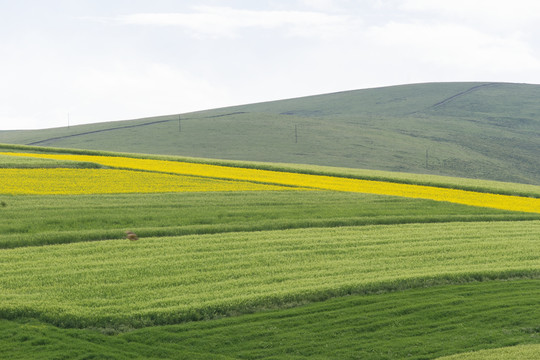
476 130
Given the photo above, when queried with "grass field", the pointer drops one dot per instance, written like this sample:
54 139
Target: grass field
511 352
490 132
263 274
107 216
422 323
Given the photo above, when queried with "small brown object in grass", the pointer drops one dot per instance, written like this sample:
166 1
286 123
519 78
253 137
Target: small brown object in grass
131 236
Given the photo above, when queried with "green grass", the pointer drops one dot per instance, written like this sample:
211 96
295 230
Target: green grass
531 351
491 132
29 162
173 279
412 324
75 218
421 323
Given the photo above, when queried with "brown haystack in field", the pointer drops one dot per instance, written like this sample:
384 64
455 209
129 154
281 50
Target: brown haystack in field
131 236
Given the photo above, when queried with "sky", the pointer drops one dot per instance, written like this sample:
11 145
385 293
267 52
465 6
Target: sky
87 61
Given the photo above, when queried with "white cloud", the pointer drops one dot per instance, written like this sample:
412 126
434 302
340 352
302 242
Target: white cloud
455 46
227 22
502 12
325 5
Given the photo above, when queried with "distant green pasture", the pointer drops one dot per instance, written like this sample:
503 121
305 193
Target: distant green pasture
474 130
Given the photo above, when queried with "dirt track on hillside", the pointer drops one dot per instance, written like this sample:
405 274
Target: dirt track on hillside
453 97
96 131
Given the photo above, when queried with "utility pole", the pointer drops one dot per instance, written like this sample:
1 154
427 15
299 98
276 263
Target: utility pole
179 124
68 120
295 134
426 158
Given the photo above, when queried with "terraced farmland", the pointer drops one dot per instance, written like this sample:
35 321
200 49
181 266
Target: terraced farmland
269 264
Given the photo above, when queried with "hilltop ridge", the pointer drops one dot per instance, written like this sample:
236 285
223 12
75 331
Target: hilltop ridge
477 130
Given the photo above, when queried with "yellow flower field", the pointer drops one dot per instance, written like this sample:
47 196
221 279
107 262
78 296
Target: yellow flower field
112 181
505 202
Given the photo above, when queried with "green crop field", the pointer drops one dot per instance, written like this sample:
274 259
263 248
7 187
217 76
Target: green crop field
421 323
267 274
23 163
105 216
167 280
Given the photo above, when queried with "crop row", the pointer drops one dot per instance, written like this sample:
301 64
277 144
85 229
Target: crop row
171 279
109 181
61 220
506 202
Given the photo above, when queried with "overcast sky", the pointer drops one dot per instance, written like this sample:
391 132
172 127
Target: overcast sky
103 60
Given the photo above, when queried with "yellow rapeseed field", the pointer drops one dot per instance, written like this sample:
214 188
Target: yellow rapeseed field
505 202
112 181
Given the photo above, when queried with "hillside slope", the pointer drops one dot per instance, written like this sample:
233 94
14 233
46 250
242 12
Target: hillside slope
478 130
